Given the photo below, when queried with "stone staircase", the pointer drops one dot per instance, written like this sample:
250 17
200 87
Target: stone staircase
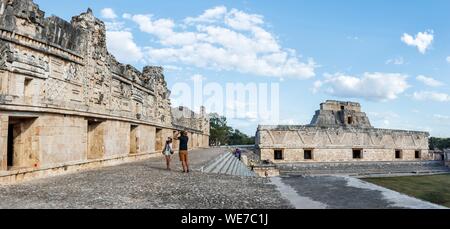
228 164
364 168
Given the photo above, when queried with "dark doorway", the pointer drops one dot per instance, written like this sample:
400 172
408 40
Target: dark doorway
357 154
417 154
350 120
20 152
398 154
10 155
278 155
308 155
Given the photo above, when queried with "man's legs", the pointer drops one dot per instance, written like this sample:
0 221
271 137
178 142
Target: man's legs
183 159
187 163
183 163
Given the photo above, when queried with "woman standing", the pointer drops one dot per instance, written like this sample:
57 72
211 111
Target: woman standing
168 151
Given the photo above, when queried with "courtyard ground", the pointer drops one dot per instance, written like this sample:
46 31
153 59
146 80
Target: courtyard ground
435 189
147 185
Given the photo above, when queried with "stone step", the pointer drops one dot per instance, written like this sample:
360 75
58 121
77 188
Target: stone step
222 163
214 163
237 168
233 166
227 165
364 168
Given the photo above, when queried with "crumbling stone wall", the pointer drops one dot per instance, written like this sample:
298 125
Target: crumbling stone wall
336 113
334 141
61 75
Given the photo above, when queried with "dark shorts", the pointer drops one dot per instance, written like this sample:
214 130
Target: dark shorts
183 155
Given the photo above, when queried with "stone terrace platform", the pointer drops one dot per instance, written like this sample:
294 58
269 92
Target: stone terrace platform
362 169
146 185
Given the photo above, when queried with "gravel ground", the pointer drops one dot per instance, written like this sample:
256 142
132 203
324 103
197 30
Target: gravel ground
145 185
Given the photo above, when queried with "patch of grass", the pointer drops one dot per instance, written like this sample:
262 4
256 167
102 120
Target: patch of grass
435 189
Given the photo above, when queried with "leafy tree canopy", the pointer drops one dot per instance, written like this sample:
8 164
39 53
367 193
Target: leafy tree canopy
222 134
439 143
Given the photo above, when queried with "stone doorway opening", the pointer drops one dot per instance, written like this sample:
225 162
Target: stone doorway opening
96 149
278 155
20 153
357 154
159 140
417 154
398 154
134 141
350 120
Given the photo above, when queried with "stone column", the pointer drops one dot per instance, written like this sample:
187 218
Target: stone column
3 142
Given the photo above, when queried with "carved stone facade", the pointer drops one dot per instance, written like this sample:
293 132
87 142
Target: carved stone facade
340 132
65 100
183 117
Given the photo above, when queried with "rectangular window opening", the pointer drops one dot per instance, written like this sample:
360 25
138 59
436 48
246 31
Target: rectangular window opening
357 154
308 154
278 155
417 154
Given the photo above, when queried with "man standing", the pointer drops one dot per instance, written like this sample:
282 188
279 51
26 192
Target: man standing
184 139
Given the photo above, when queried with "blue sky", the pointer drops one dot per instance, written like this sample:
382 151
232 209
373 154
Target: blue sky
391 56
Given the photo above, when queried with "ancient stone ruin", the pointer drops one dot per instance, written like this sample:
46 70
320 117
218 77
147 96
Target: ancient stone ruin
340 132
67 103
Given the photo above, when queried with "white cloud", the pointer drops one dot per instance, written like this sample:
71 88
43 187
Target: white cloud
240 20
108 13
429 81
222 39
122 45
430 95
396 61
422 40
209 15
441 117
371 86
448 59
114 25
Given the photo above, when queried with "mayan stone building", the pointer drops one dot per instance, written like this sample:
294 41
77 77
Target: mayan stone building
340 132
66 102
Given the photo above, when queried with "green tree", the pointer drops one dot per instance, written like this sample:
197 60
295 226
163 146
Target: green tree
222 134
239 138
219 132
439 143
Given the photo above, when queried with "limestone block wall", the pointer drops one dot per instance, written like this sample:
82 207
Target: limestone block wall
116 138
62 139
146 140
340 155
337 144
67 100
